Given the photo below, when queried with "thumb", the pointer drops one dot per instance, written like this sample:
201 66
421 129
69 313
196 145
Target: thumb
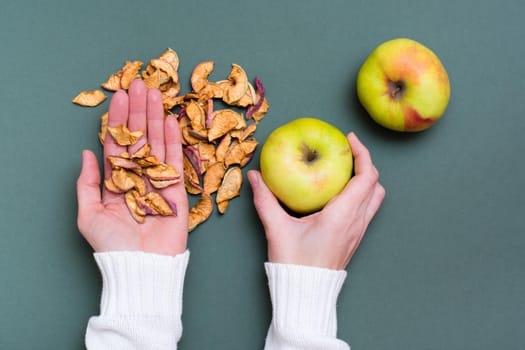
88 183
267 206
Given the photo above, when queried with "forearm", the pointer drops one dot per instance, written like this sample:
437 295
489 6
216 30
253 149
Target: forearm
304 307
141 303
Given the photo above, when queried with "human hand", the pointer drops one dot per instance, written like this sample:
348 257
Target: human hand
327 238
104 219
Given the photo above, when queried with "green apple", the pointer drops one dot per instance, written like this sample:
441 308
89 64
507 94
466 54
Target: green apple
305 163
403 86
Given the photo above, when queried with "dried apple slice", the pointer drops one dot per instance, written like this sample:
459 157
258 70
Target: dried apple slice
154 78
126 180
170 56
261 112
222 147
170 97
200 212
223 206
134 208
121 162
259 97
239 150
159 184
166 67
123 78
129 73
113 82
161 172
122 179
142 152
89 98
209 113
191 177
213 177
196 114
159 204
211 90
223 121
238 84
234 154
207 154
141 202
189 136
110 186
249 146
248 131
201 135
191 186
247 159
194 157
140 184
200 74
162 73
123 136
231 185
103 127
147 161
248 99
169 102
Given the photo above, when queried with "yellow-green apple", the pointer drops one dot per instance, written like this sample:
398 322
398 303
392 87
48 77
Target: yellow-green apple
403 85
305 163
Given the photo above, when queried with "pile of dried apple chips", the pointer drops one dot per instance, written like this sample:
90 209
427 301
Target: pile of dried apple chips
217 143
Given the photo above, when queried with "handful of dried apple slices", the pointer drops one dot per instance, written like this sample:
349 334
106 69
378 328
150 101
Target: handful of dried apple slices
137 176
217 143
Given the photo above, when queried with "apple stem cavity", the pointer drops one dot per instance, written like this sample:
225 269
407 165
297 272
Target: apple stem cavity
396 89
310 155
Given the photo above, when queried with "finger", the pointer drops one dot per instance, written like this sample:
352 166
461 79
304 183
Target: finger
375 201
359 189
173 152
88 185
366 175
137 93
267 206
362 160
155 120
173 141
118 115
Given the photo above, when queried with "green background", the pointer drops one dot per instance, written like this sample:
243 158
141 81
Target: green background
442 265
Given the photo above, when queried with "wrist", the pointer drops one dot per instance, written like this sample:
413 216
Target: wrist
309 259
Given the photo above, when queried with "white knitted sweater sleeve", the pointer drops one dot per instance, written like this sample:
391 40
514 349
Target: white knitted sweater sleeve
141 302
304 307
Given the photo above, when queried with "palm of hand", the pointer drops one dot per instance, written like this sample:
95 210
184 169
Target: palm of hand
111 227
105 221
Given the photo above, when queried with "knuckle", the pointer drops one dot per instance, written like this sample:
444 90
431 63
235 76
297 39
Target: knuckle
381 190
373 176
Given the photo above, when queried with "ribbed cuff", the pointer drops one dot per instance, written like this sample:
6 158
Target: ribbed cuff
141 284
304 298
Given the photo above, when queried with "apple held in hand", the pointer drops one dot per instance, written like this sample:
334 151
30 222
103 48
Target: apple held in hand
305 163
403 86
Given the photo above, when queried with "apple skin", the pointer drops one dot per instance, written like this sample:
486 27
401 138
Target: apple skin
403 86
305 163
